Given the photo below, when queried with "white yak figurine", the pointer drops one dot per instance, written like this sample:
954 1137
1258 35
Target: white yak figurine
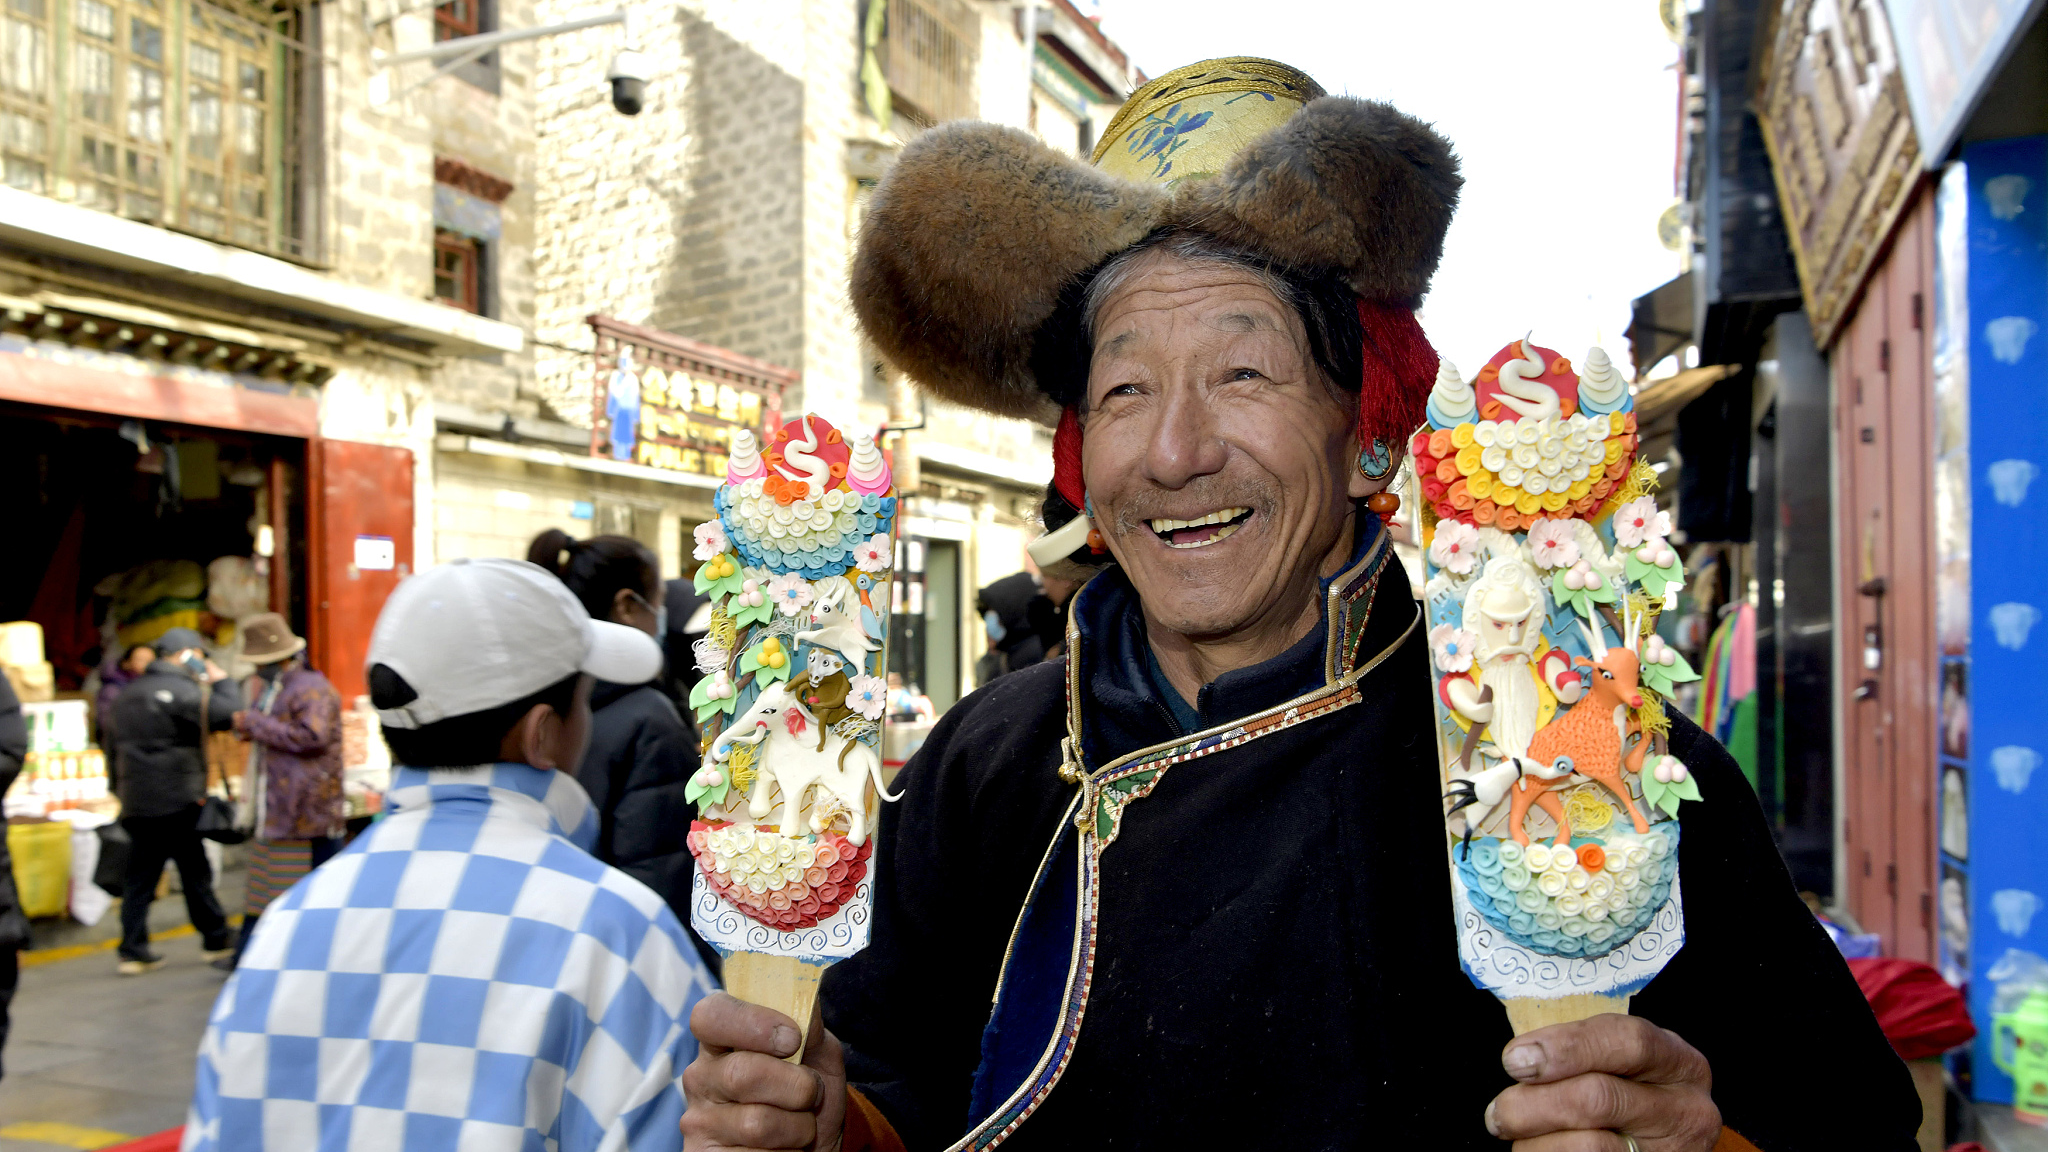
786 754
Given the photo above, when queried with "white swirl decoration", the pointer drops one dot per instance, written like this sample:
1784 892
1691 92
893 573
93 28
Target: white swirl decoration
745 462
1601 388
1451 401
866 471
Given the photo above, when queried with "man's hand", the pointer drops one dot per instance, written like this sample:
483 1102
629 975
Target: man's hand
742 1095
1584 1085
242 722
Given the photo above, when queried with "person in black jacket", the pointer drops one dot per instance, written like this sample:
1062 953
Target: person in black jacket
642 751
159 769
13 925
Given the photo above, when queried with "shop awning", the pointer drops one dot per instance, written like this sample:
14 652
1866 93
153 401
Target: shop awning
1662 323
1666 397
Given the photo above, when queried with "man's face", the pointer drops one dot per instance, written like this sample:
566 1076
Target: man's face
1218 461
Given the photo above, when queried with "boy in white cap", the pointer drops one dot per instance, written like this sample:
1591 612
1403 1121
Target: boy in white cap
465 975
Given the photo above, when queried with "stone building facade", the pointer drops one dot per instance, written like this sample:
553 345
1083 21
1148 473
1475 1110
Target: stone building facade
727 212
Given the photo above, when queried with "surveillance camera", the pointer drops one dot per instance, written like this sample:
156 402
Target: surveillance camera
628 78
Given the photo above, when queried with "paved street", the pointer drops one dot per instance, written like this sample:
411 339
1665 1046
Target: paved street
95 1058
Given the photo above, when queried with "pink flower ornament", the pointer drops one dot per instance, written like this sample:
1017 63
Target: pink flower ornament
874 554
790 593
867 695
1456 546
1552 545
711 540
1452 646
1638 521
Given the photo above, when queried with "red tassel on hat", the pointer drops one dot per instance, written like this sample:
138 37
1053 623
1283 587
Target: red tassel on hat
1400 369
1066 459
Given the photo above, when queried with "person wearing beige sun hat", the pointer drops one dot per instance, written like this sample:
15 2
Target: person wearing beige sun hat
1186 886
292 789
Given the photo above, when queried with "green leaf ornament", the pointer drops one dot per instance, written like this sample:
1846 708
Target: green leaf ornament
1584 601
1652 579
761 661
719 576
1660 678
1667 796
707 705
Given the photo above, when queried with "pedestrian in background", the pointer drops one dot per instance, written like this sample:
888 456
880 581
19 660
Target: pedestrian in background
642 752
464 975
14 928
159 772
293 786
115 676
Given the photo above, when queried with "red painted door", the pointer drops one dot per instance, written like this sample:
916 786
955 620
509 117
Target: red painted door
361 536
1885 537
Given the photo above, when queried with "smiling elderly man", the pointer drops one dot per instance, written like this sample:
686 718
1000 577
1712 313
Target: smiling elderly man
1186 888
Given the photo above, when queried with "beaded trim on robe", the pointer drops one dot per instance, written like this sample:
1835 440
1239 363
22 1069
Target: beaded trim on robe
1105 792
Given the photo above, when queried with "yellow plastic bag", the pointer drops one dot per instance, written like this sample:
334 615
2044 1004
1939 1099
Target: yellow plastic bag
42 865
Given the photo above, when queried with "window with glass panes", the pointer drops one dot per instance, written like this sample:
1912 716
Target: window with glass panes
458 270
177 112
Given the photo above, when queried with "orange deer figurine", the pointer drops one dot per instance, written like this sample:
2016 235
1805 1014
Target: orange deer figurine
1589 735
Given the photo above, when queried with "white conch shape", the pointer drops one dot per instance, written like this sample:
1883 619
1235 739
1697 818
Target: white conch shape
1523 395
815 472
1599 382
1452 397
745 461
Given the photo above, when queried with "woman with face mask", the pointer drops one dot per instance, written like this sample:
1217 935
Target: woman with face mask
642 751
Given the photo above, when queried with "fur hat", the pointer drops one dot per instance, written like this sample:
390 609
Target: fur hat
977 229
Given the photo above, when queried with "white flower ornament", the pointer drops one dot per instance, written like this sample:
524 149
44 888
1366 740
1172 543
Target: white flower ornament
791 593
867 695
1552 544
1452 646
874 554
1638 521
1455 547
711 540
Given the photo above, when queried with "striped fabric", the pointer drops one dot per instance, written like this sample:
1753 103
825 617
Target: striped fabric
274 866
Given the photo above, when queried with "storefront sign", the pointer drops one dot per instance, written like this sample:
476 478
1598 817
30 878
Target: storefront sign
668 402
1843 150
1948 52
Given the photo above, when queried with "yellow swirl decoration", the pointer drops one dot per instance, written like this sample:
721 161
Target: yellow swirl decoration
1192 120
1655 722
724 632
739 767
1586 811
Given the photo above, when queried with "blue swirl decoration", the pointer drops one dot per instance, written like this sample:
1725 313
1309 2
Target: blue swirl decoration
1508 894
816 555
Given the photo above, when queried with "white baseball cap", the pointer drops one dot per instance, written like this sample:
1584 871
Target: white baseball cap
471 635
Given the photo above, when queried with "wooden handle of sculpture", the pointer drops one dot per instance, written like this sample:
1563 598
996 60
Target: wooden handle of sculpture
783 983
1527 1014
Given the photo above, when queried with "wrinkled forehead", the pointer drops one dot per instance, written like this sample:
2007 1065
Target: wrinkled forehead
1160 302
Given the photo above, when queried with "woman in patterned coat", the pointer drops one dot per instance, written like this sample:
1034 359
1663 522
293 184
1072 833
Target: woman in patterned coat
293 786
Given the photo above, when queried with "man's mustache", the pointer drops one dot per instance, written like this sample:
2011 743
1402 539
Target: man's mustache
1208 494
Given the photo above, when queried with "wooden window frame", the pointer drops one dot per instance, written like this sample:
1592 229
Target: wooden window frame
448 26
469 281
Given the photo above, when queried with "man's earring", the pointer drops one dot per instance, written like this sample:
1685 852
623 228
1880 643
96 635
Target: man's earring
1376 461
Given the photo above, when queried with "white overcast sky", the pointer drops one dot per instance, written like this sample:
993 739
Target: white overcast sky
1564 112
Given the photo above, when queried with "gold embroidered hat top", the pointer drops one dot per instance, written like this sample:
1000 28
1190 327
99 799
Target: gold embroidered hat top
1188 123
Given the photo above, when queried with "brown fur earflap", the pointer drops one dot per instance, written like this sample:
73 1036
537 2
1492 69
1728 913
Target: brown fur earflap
966 246
1347 186
977 229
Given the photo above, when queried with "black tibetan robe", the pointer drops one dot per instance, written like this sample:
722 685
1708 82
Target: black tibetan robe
1250 944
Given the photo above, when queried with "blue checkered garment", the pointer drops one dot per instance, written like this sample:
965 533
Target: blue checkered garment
465 976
